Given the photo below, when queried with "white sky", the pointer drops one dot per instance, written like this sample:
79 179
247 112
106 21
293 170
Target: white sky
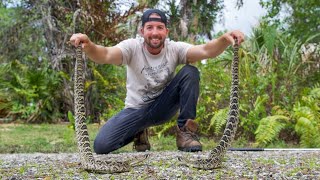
243 19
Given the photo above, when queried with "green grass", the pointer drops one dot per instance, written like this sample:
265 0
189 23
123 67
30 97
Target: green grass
54 138
22 138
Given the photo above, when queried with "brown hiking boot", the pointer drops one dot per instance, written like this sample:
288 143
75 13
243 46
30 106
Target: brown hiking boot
187 140
141 142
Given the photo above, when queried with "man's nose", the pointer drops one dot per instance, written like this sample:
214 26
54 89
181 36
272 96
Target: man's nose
155 31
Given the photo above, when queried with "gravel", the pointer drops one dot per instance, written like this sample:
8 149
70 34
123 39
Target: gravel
165 165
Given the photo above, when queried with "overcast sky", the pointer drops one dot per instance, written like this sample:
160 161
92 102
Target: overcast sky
243 19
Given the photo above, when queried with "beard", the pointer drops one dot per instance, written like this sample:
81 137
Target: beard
154 43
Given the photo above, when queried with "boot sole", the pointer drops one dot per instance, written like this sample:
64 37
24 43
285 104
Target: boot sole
190 149
142 148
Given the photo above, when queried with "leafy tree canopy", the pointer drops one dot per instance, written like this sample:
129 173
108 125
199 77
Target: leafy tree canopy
301 19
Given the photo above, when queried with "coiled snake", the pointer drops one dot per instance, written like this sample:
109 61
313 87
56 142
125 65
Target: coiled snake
88 161
214 159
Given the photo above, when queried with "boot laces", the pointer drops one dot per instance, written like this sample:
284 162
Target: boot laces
191 135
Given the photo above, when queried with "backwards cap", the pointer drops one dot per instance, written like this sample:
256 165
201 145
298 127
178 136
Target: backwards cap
145 17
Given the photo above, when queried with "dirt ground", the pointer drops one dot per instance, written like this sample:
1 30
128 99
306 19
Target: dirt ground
165 165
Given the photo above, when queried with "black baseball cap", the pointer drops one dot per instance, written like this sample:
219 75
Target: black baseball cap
145 17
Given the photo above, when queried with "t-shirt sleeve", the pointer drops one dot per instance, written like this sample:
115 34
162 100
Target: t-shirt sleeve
182 49
127 48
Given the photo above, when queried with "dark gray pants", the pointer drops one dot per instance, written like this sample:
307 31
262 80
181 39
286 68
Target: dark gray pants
182 93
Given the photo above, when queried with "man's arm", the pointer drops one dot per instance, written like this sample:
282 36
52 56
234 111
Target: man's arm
97 53
213 48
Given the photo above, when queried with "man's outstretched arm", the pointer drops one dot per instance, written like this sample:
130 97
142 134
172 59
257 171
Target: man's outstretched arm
214 47
97 53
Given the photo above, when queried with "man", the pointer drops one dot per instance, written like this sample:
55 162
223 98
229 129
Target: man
154 93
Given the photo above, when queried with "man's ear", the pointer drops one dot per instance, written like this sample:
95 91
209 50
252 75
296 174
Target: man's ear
141 30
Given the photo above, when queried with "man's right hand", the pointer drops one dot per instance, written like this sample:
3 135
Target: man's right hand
97 53
78 38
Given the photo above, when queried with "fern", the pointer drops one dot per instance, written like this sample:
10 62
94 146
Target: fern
250 122
218 120
307 127
269 128
307 115
307 131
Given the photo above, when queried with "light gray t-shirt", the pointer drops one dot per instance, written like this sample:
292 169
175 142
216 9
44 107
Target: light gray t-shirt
147 74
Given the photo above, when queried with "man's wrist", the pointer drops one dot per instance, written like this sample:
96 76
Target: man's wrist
90 48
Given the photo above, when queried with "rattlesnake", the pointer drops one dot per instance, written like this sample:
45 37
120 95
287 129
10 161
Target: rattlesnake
214 159
88 161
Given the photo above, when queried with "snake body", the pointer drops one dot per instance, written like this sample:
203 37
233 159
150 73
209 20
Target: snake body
88 161
216 155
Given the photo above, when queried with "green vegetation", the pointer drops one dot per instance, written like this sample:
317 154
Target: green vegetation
299 18
279 72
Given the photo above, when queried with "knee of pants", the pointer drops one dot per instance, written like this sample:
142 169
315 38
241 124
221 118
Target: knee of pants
101 147
191 72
